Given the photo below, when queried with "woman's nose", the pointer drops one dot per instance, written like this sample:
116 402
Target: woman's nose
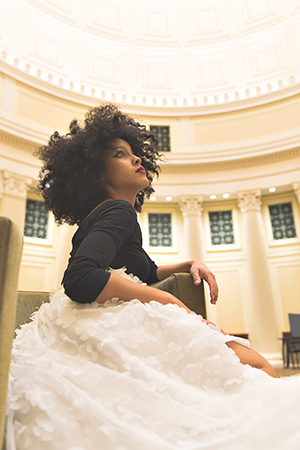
137 160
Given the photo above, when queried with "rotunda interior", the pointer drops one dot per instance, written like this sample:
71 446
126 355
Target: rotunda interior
218 81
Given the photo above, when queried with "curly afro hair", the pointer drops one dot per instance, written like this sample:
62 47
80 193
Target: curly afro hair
74 163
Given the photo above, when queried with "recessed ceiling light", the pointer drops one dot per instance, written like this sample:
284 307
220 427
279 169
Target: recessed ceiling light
212 196
169 198
152 198
226 195
272 189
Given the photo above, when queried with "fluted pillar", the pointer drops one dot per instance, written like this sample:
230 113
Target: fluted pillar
14 193
296 187
64 246
263 328
191 207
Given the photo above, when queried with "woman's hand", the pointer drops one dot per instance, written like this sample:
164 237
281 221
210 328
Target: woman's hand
197 270
200 271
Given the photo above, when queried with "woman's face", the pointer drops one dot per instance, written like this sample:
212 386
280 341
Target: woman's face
125 176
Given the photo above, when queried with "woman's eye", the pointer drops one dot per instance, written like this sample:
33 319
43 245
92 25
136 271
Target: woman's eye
119 154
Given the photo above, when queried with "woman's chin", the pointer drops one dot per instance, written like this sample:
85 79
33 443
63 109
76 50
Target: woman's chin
145 184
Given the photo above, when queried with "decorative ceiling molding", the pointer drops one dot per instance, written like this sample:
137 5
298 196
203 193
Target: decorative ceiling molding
192 167
22 133
17 142
147 105
179 57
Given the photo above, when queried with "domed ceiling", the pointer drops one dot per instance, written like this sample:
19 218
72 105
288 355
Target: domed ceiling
177 55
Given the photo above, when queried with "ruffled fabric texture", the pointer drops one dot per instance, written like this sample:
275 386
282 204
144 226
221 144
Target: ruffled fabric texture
134 376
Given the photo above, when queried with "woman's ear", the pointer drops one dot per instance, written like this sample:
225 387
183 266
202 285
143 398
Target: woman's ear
102 181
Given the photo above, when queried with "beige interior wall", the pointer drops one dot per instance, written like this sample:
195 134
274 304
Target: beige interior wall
50 113
229 310
1 87
249 124
29 117
289 288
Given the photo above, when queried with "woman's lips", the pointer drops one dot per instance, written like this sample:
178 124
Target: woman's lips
141 169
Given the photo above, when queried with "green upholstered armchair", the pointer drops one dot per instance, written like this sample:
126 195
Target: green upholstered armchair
11 243
179 284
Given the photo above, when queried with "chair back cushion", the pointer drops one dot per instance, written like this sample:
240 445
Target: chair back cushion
11 243
28 303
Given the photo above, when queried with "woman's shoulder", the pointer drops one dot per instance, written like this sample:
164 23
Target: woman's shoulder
113 215
115 206
113 210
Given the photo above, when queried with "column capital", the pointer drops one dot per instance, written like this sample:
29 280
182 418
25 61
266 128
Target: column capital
191 205
296 187
15 185
250 200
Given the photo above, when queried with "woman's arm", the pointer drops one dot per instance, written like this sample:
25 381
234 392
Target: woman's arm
197 270
124 289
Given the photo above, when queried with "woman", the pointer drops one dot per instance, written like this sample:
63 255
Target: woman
120 158
142 372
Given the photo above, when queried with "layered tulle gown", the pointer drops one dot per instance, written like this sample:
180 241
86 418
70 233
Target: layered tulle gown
135 376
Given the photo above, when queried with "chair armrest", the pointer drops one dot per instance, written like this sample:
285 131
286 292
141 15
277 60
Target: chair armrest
181 285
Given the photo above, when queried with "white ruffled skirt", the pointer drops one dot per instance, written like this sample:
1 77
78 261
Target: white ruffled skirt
134 376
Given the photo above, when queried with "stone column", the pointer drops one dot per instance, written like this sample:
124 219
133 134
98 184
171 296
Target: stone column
263 330
191 208
296 187
64 245
14 194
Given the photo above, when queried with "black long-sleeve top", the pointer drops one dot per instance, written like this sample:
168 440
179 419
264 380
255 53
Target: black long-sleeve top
109 237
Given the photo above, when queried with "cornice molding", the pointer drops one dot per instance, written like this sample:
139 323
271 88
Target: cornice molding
23 132
239 149
237 163
17 142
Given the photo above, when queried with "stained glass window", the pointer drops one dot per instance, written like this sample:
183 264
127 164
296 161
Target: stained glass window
160 230
221 227
36 219
163 135
282 221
